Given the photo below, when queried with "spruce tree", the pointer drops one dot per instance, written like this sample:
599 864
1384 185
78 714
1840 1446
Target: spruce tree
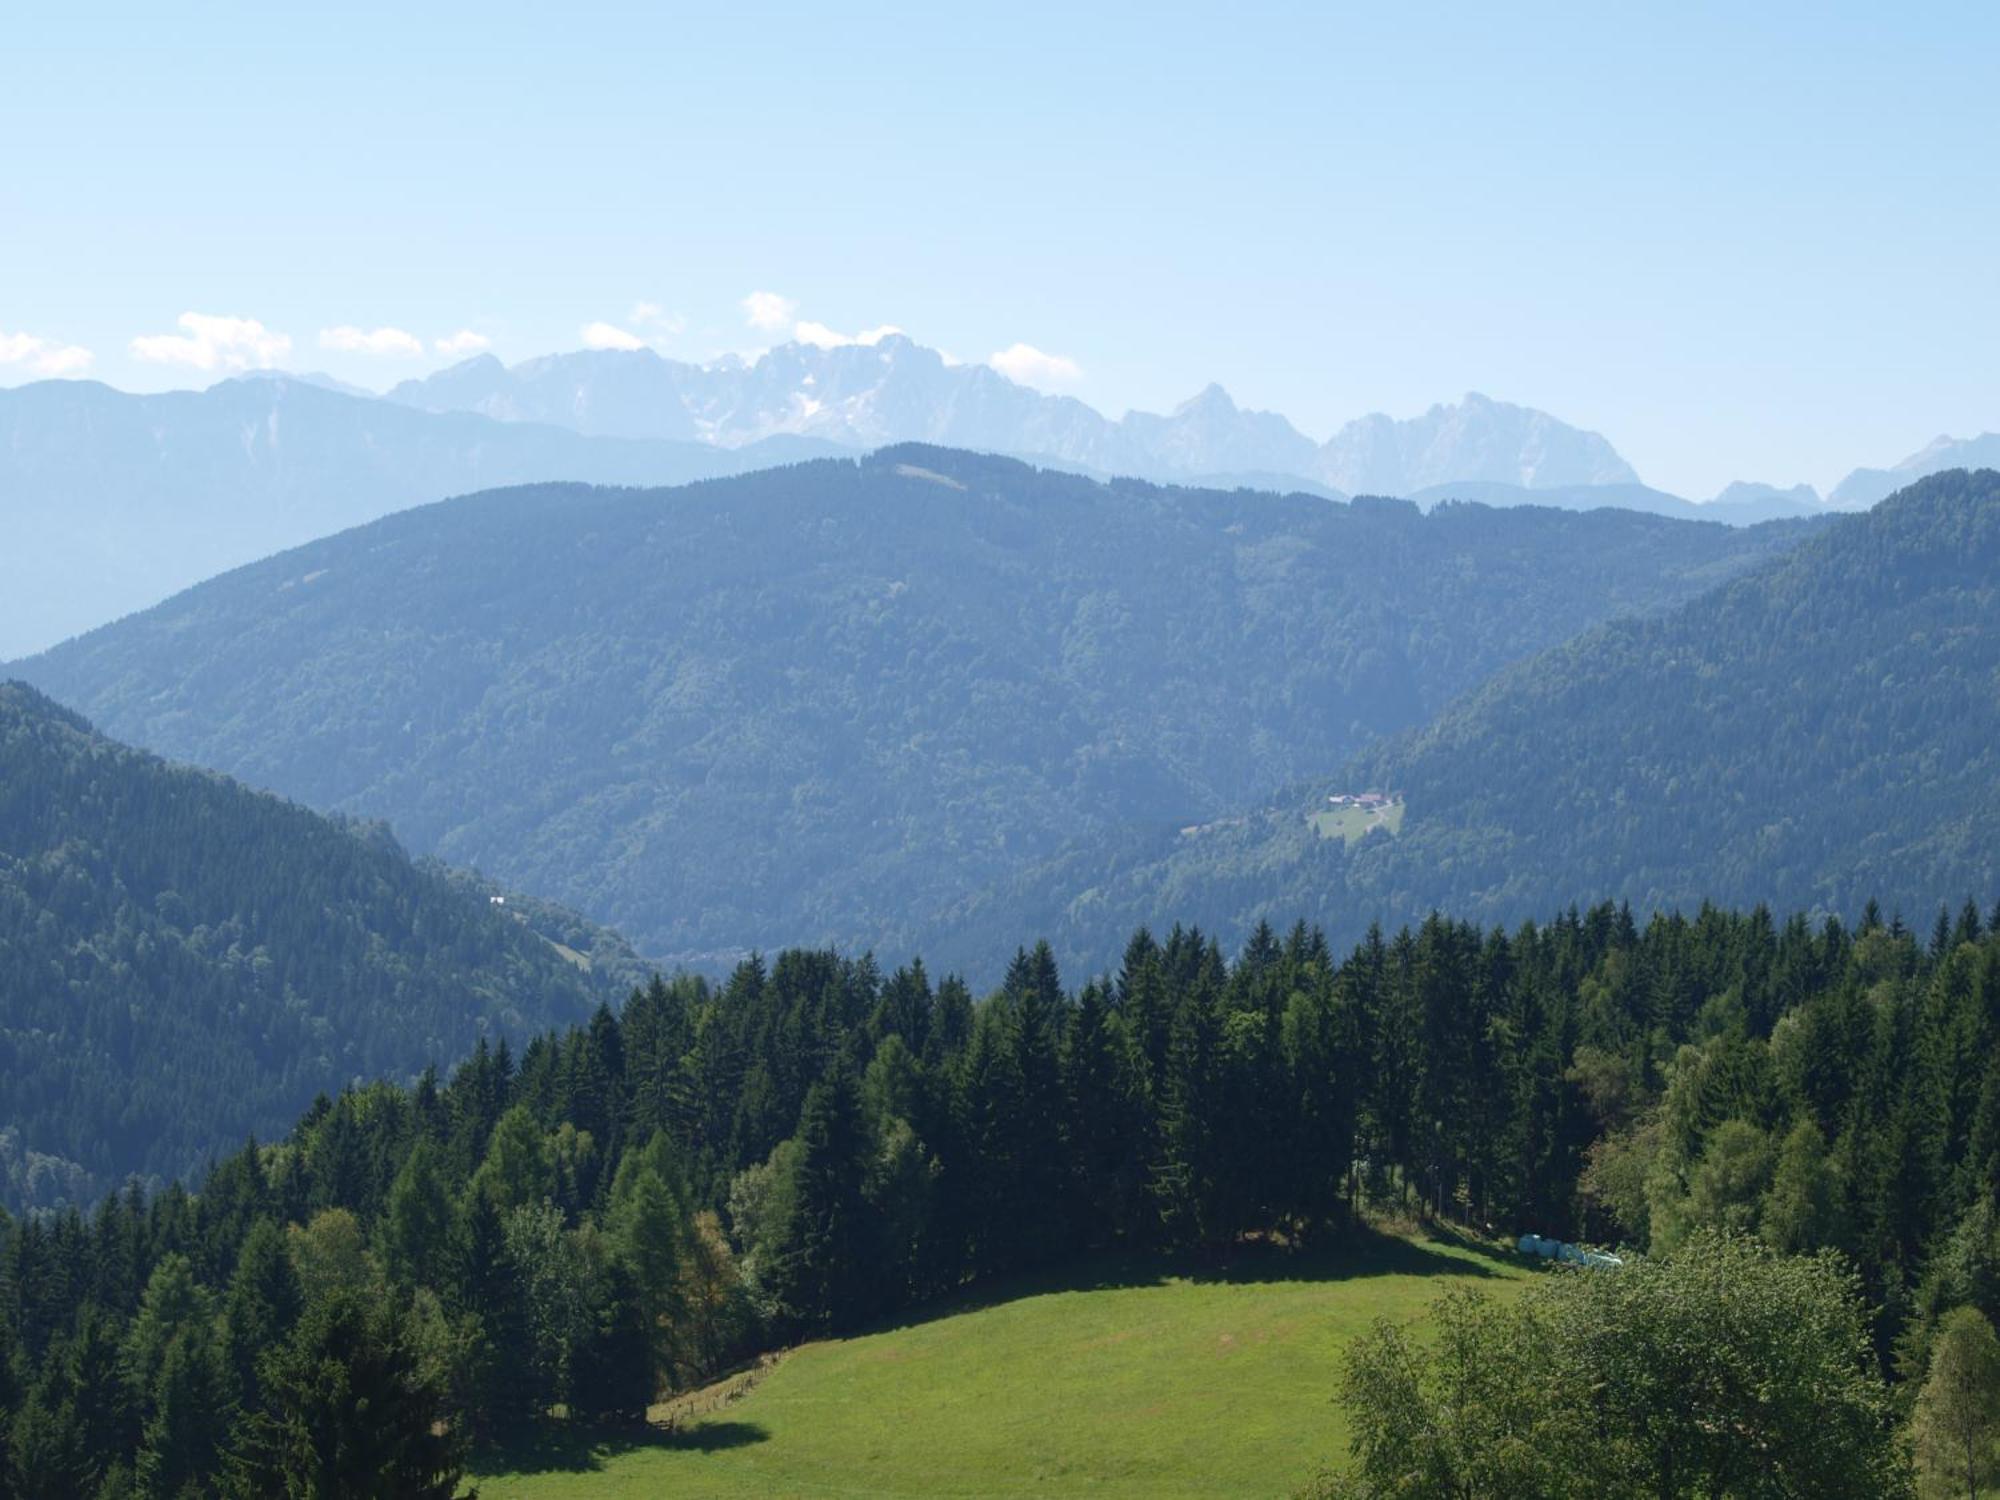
191 1411
347 1413
416 1223
262 1305
47 1448
485 1287
820 1266
97 1380
648 1231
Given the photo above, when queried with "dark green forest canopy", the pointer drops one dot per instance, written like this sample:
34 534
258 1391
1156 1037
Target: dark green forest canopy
184 961
631 1204
829 703
1822 730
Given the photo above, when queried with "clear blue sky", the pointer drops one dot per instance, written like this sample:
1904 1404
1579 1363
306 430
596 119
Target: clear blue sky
1741 241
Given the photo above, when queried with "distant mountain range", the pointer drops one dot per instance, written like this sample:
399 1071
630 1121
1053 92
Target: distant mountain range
1864 487
111 502
825 703
1476 440
895 390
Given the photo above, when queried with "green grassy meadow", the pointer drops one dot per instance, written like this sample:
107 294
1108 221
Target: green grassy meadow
1125 1378
1352 823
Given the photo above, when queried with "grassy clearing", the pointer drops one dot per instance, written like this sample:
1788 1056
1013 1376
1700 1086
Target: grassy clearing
1125 1378
1354 823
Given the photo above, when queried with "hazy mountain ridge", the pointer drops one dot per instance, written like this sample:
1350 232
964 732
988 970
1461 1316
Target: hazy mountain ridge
861 396
114 501
1739 505
1753 493
1864 487
821 703
1477 439
896 390
213 957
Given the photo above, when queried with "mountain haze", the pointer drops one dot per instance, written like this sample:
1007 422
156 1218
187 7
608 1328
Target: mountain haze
115 501
891 390
1864 487
1475 439
822 703
1744 493
1739 505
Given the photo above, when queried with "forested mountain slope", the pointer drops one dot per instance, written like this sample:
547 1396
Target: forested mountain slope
1814 734
183 961
825 703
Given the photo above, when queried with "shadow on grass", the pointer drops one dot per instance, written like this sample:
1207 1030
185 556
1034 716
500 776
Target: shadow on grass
713 1435
559 1448
1357 1254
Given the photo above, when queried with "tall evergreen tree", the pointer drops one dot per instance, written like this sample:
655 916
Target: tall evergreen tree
821 1264
347 1414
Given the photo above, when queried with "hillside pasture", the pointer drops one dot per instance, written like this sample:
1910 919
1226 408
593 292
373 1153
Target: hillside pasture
1123 1378
1353 823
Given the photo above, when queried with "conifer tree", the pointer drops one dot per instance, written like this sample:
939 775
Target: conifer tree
173 1304
96 1379
820 1266
517 1170
647 1231
347 1414
46 1446
485 1287
262 1305
191 1412
416 1222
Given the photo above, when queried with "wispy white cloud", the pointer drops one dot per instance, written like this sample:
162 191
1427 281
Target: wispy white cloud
822 337
1026 365
769 311
43 356
465 341
653 315
610 336
208 342
347 339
